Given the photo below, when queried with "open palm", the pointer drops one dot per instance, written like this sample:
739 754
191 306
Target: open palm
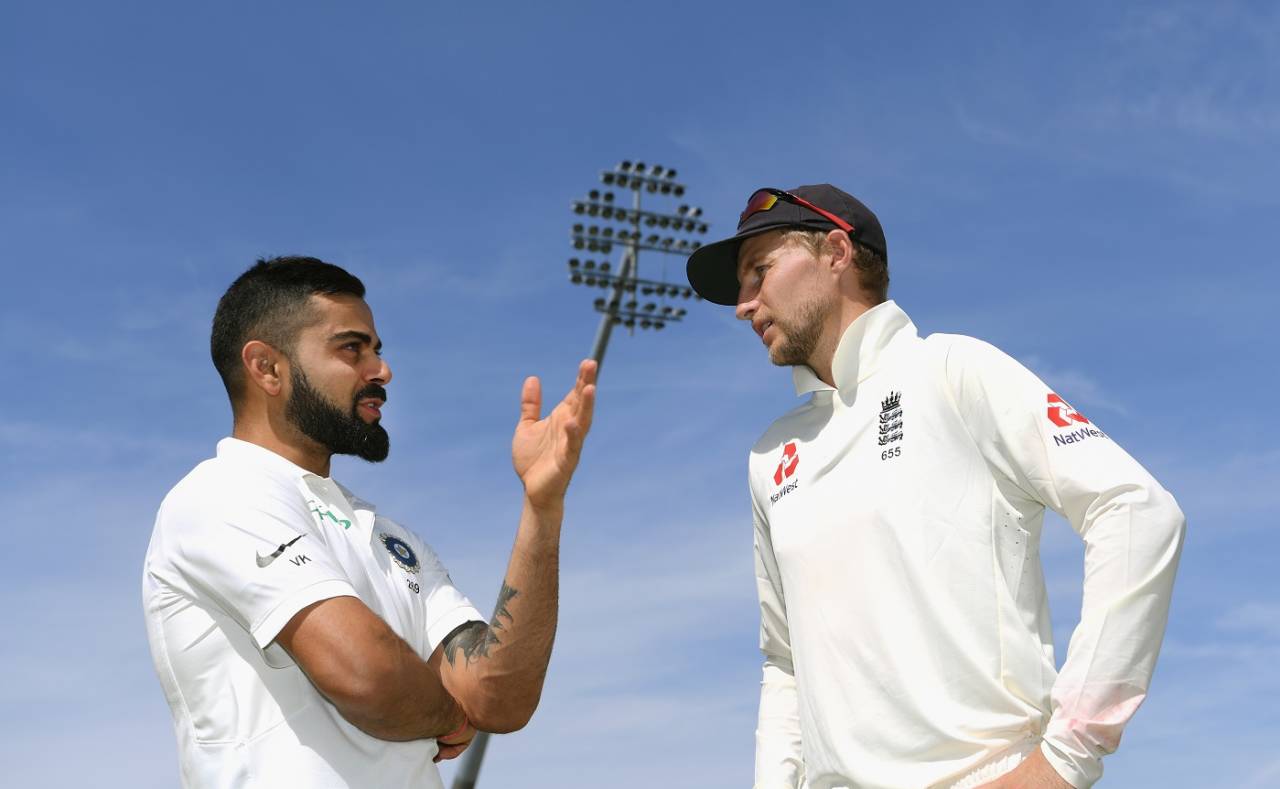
545 452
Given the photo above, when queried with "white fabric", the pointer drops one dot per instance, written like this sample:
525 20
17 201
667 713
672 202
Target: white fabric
244 713
899 576
996 767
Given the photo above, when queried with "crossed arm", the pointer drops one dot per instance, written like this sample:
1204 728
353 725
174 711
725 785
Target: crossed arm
489 675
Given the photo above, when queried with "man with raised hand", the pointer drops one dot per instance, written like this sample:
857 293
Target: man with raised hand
898 511
302 638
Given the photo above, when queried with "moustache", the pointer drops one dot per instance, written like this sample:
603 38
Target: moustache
372 390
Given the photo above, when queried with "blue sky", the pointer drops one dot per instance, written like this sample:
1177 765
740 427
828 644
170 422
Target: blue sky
1091 188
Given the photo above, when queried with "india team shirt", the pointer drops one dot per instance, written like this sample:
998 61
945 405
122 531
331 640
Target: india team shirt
904 618
240 545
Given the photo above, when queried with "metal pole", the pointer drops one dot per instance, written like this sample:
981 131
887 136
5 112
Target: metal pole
628 273
469 769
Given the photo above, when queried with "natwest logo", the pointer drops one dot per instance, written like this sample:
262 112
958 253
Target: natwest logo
1062 414
787 466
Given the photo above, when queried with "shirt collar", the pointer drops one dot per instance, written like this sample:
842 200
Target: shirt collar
860 349
246 452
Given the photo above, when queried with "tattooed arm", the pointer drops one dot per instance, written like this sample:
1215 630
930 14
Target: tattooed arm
496 670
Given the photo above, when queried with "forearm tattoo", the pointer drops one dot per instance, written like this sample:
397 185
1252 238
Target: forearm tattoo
474 638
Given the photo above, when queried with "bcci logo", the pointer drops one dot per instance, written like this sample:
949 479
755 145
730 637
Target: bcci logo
400 552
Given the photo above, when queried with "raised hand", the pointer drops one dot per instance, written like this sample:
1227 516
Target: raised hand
545 452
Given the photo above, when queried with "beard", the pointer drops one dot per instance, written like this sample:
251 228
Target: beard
799 337
342 433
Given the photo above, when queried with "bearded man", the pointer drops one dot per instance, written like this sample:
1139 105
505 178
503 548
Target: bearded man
302 638
904 620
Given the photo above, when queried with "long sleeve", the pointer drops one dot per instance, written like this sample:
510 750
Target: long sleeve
779 760
1133 532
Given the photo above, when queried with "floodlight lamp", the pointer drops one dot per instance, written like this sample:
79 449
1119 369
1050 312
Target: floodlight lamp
687 292
577 243
608 197
631 304
650 221
658 324
575 279
593 210
651 187
702 228
644 324
682 210
606 248
606 213
589 264
578 208
607 232
666 310
652 239
577 227
605 266
680 313
573 263
616 320
606 178
650 307
696 211
630 323
666 242
666 188
694 244
594 194
599 303
625 166
663 221
639 168
646 290
590 282
677 190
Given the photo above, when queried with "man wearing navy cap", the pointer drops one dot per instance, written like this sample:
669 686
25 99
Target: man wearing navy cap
898 511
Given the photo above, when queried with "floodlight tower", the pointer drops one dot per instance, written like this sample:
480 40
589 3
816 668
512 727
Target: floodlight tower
641 230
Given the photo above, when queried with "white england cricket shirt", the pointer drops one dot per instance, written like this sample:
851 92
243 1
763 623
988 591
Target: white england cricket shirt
904 618
240 545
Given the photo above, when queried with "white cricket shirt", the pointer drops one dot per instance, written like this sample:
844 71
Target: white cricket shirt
904 618
240 545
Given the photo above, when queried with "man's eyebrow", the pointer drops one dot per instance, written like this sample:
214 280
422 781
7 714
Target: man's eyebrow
352 334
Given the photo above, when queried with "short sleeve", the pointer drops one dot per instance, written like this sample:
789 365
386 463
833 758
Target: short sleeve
445 606
260 563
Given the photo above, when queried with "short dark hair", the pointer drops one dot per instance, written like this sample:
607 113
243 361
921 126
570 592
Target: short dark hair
872 268
269 302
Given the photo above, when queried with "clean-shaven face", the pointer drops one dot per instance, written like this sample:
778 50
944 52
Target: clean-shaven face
336 380
782 292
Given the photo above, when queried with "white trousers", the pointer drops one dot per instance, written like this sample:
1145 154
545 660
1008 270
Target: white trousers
996 766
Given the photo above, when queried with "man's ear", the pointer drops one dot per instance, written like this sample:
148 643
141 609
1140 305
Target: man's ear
264 367
840 248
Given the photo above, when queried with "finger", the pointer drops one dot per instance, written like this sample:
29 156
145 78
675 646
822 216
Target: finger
586 410
587 371
531 400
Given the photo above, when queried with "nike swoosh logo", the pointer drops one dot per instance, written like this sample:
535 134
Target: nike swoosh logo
263 561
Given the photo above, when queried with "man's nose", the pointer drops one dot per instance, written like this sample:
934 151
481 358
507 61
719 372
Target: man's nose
383 376
746 305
